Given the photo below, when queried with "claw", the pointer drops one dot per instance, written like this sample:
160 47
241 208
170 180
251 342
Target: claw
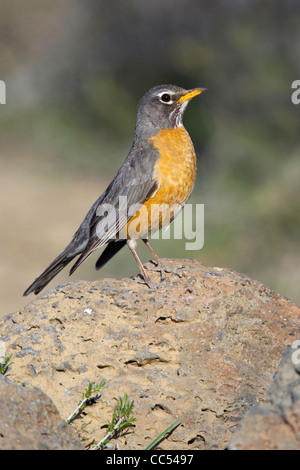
157 267
145 280
163 269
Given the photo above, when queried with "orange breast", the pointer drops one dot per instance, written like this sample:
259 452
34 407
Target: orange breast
175 172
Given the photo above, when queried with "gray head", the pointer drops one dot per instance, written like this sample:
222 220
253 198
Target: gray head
162 107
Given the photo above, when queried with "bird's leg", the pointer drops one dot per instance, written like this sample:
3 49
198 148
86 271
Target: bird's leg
146 241
132 246
160 266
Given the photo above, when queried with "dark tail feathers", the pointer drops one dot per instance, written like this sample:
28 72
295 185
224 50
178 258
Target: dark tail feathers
111 250
65 258
53 269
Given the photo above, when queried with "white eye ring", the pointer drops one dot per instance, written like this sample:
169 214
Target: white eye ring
165 97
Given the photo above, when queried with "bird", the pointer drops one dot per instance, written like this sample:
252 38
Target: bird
159 171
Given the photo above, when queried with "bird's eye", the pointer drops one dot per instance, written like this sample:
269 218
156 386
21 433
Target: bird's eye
165 98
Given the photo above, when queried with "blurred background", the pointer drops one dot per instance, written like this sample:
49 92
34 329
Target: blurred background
74 72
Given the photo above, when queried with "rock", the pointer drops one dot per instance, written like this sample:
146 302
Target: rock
202 348
275 425
30 421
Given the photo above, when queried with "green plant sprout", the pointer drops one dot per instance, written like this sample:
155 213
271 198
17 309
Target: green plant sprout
87 399
163 435
5 364
122 419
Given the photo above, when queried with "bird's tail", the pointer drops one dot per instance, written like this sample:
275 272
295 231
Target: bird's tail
111 250
53 269
69 253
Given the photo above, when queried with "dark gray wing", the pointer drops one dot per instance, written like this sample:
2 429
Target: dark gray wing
131 187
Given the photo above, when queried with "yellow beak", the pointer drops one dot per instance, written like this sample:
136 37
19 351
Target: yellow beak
191 94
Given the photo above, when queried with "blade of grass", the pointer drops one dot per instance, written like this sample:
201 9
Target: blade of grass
86 399
5 364
163 435
122 418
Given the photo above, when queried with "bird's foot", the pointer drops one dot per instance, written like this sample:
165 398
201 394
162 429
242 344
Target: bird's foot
145 280
159 266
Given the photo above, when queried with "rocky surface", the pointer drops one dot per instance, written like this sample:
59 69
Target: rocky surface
29 420
202 348
275 425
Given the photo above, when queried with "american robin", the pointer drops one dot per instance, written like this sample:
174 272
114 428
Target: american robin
159 171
